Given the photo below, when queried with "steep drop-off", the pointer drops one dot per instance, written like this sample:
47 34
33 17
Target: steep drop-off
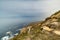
49 29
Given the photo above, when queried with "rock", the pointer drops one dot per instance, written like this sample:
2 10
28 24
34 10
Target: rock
49 29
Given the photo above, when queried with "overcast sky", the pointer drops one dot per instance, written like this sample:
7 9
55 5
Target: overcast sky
14 11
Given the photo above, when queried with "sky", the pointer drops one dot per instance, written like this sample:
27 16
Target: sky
18 11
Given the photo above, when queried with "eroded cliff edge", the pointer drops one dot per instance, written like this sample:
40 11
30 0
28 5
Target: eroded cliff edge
49 29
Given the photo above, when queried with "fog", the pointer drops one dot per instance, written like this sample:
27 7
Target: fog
18 11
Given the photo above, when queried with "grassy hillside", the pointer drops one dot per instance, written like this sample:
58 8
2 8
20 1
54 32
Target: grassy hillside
49 29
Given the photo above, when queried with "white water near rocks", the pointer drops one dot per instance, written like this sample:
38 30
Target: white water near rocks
13 15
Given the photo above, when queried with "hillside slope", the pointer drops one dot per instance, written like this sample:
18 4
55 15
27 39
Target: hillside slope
49 29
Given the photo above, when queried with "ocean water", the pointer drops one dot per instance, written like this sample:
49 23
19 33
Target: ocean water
13 24
15 14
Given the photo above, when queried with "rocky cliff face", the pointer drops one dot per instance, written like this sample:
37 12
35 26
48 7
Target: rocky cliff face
49 29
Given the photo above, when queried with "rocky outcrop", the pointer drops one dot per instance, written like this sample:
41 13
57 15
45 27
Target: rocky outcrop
49 29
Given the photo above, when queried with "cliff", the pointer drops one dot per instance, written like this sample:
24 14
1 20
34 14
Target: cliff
49 29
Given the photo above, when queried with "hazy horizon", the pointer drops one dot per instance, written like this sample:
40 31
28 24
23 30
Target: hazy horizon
18 11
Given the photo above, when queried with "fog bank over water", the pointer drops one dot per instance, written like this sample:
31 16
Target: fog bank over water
16 12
